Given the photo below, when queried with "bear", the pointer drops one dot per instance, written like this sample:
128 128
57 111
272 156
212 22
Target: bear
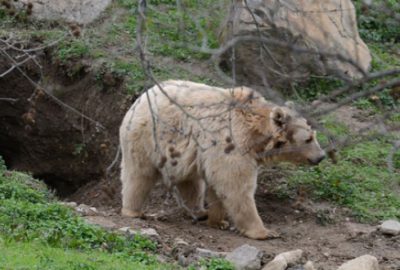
209 142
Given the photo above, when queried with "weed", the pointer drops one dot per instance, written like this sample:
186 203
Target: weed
360 181
316 87
213 264
374 22
28 212
72 49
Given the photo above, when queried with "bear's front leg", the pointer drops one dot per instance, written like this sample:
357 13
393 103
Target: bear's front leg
216 211
235 184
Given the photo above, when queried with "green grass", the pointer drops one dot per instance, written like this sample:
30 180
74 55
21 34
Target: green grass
72 49
360 180
375 23
179 30
30 218
213 264
37 232
383 58
34 255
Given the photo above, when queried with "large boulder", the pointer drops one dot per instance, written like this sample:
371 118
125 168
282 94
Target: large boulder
300 37
77 11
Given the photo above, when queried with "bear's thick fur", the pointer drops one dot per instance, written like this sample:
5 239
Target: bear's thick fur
194 136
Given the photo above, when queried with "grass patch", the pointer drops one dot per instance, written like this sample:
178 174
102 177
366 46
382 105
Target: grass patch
31 219
70 49
182 30
383 58
213 264
360 180
33 255
376 22
36 232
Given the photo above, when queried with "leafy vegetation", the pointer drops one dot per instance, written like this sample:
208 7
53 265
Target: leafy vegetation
37 232
72 49
214 264
360 180
31 219
34 255
374 22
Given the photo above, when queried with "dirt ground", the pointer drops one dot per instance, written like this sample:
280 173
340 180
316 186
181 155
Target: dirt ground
326 235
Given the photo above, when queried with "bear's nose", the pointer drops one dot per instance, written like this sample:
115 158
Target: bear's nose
316 161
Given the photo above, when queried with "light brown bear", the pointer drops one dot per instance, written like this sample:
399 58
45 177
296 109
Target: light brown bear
193 135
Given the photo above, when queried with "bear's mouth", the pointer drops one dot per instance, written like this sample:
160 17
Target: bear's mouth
315 161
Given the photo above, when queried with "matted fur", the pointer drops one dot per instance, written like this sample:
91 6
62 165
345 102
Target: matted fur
198 136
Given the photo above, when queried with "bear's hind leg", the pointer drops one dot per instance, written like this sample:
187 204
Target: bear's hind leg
192 193
136 186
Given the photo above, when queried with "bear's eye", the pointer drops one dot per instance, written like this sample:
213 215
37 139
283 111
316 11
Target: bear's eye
309 140
279 144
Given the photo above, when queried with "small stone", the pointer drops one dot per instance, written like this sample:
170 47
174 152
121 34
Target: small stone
86 210
69 204
356 229
366 262
180 242
296 267
282 260
309 266
149 232
127 230
245 257
182 260
101 221
391 227
206 253
326 254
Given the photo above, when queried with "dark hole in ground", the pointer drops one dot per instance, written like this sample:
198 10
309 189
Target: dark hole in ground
61 186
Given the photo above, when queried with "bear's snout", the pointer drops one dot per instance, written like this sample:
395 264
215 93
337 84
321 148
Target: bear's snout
316 161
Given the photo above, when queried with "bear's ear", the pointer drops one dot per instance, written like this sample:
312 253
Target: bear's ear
279 117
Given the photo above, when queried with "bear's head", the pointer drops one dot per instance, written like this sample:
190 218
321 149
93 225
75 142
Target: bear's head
293 139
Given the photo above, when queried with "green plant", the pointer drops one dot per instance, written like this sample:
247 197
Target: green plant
72 49
28 212
316 87
360 180
214 264
376 22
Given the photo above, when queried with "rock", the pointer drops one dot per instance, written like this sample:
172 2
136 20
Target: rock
391 227
356 229
206 253
180 242
366 262
86 210
148 232
309 266
77 11
296 267
69 204
245 257
101 221
282 260
315 26
127 230
183 261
